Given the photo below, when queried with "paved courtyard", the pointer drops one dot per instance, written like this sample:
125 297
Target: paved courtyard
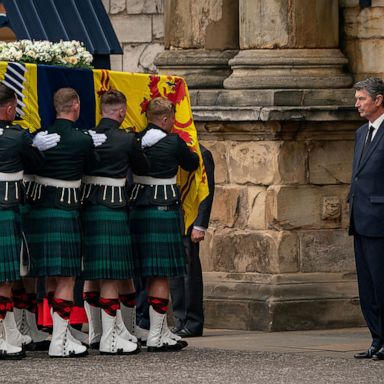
221 356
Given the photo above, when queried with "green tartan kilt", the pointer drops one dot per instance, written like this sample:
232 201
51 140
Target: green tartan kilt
157 242
10 245
107 243
54 242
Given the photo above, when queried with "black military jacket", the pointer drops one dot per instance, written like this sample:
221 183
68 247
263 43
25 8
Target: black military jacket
165 157
16 152
119 152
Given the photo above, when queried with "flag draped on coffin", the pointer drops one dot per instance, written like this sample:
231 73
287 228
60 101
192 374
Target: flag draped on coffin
35 85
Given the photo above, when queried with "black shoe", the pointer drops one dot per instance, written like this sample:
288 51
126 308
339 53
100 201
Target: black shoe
368 354
379 355
185 332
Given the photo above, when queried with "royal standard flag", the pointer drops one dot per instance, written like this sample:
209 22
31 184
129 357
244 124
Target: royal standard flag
35 85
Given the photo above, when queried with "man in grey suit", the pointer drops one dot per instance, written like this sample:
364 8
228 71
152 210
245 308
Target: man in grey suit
366 204
187 290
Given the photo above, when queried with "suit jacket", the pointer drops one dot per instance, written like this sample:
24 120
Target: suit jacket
366 197
205 206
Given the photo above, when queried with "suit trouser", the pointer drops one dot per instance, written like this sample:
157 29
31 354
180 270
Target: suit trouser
369 255
187 292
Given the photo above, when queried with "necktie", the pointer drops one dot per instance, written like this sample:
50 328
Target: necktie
368 141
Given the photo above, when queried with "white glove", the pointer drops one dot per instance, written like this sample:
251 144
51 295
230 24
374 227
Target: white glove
43 141
152 137
1 131
98 138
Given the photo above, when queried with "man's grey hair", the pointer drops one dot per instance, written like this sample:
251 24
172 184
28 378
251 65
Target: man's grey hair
373 86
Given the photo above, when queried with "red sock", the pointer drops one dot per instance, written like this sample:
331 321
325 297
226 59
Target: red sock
159 305
62 307
92 298
109 305
20 298
6 305
128 299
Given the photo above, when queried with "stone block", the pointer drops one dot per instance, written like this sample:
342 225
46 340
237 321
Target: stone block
363 24
145 6
219 153
254 251
206 251
131 58
116 6
226 205
133 29
363 54
158 27
256 207
309 207
267 162
147 57
326 251
330 162
116 62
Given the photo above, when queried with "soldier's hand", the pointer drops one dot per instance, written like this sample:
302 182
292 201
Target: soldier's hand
98 138
43 141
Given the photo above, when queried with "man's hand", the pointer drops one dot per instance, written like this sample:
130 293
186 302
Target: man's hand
43 141
1 131
197 235
98 138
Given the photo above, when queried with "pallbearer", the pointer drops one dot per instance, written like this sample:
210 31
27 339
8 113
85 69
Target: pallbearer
108 253
155 218
16 149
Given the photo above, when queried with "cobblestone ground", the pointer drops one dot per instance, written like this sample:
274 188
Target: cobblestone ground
192 365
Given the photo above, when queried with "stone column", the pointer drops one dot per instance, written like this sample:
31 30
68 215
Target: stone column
288 44
200 38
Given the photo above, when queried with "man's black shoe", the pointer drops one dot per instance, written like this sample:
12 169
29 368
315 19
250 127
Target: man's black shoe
185 332
369 353
379 355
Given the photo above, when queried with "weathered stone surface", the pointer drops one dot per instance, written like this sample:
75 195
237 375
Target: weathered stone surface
294 207
116 62
201 68
363 54
326 251
133 29
364 24
147 57
294 24
145 6
288 68
330 162
212 24
219 153
158 27
131 58
256 207
116 6
254 251
267 162
226 205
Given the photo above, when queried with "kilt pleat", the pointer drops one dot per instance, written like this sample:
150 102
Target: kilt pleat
54 242
10 245
157 242
107 243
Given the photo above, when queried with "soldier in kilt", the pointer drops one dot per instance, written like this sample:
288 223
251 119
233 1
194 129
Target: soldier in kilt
107 241
16 149
155 218
54 221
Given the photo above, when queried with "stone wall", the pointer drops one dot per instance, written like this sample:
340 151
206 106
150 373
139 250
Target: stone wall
363 38
139 25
